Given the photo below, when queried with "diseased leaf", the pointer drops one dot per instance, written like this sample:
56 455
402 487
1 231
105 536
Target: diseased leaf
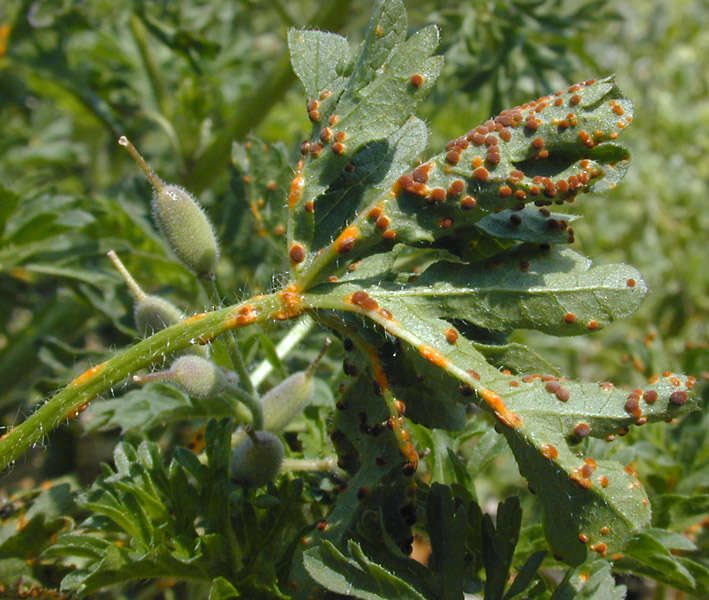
556 291
319 58
590 581
378 98
540 414
529 225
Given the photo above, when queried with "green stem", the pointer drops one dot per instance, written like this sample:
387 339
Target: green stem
69 402
254 108
283 349
253 404
237 359
329 464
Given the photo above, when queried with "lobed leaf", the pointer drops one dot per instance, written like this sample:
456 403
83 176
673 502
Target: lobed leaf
387 78
357 576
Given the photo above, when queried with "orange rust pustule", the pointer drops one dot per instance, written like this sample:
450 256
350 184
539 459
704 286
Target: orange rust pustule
407 183
363 300
296 190
88 375
246 315
75 412
377 370
549 451
347 239
193 318
296 253
416 80
505 416
451 336
433 356
420 174
291 301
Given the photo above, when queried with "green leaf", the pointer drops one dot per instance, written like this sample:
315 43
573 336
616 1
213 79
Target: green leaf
529 225
446 524
589 581
679 511
377 99
222 590
319 58
151 406
526 574
648 553
557 292
357 576
499 546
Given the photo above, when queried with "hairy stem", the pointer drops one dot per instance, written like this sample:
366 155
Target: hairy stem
70 401
237 359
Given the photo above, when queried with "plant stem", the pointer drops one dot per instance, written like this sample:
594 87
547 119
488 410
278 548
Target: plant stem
329 464
283 349
70 401
253 404
254 108
237 359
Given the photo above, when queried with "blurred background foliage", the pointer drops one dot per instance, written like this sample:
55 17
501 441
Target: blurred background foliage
184 79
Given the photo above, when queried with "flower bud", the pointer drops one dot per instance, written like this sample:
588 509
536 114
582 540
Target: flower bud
181 220
257 459
151 313
198 376
282 403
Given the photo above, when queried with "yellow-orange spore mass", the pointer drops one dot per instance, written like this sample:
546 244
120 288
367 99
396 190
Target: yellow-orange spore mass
347 239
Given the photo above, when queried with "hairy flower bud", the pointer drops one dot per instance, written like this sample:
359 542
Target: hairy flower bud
282 403
181 220
257 459
151 313
198 376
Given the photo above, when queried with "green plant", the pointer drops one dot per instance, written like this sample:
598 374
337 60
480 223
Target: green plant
424 269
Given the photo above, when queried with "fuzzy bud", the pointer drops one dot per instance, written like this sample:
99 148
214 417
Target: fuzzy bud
181 220
198 376
257 459
284 402
151 313
186 228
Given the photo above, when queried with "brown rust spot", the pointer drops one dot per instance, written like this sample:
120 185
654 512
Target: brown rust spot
296 253
363 300
451 336
416 80
549 451
374 213
347 239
